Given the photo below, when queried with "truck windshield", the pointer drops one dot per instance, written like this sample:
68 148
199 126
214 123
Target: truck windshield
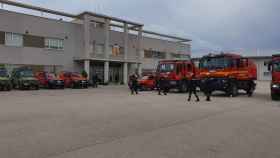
276 66
166 67
26 73
215 63
3 73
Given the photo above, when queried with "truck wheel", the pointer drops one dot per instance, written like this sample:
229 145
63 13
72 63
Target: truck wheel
274 96
72 85
251 89
37 87
233 90
9 87
183 87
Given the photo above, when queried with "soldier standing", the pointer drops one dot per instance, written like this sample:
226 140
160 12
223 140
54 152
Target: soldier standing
162 86
192 84
207 88
133 84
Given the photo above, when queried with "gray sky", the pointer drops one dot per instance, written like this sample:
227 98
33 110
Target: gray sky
235 25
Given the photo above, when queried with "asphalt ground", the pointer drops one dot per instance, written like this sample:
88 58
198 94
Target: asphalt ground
108 122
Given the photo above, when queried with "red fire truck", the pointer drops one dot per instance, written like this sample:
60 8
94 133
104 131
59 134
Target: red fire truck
177 72
274 67
229 73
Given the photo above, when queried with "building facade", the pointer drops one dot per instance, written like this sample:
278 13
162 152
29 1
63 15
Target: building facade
111 47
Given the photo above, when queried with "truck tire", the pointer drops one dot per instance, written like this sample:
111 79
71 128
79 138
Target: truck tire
37 87
183 87
233 89
8 87
251 89
274 96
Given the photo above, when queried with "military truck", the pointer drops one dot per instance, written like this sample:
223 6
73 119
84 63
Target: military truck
229 73
5 82
24 79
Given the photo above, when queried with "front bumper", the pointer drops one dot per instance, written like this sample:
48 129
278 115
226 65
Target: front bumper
220 84
57 84
29 85
81 84
275 88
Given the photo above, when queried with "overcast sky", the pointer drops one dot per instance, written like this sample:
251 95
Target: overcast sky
239 25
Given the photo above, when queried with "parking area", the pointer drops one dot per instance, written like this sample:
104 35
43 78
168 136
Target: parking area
108 122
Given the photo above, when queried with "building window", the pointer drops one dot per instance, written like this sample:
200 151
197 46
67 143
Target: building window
33 41
176 56
154 54
116 50
99 48
148 54
13 39
159 55
266 73
54 43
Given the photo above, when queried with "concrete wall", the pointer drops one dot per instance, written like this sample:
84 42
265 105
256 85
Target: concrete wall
20 23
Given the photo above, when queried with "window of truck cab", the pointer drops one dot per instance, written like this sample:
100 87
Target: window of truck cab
216 62
276 66
166 67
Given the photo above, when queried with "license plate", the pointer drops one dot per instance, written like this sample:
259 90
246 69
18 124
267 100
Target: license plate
173 82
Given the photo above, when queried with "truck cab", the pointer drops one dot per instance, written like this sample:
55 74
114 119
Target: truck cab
24 78
274 67
5 82
176 72
228 73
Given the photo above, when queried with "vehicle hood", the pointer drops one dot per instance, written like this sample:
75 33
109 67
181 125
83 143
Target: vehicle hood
4 79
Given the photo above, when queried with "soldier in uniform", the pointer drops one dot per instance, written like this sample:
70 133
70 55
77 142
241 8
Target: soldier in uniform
162 86
192 84
133 84
206 86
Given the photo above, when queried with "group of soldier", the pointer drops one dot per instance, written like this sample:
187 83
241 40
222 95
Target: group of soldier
163 86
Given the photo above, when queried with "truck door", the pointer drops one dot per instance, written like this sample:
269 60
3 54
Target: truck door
190 70
179 70
243 68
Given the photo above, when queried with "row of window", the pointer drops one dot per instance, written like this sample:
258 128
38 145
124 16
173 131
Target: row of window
115 50
20 40
154 54
162 55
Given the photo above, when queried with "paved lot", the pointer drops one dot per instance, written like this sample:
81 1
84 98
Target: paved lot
109 123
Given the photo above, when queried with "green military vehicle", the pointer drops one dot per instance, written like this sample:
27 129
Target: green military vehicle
5 82
24 79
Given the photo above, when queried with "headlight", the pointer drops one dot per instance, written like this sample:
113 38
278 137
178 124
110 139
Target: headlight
275 86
